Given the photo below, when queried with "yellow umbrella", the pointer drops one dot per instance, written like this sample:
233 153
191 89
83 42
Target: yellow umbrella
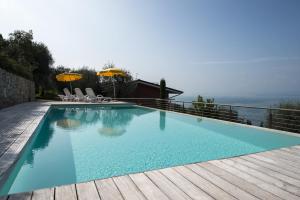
111 72
68 77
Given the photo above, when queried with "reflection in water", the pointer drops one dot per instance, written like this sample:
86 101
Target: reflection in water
162 120
199 119
114 123
68 123
114 120
91 116
111 132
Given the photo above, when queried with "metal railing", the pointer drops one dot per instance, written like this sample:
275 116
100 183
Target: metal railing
275 118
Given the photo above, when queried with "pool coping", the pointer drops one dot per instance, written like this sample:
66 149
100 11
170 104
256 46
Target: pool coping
12 154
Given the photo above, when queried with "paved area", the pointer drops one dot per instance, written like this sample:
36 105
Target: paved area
267 175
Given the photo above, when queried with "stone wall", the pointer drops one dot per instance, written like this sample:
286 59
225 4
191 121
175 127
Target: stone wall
15 89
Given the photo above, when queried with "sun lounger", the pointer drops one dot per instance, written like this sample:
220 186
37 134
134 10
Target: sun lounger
62 97
68 96
79 96
92 97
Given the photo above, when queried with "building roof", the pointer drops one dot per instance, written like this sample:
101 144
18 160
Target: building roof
169 90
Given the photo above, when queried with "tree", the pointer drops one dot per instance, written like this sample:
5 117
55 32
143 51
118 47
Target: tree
89 79
117 83
44 61
16 53
199 104
19 54
163 94
208 108
20 48
109 65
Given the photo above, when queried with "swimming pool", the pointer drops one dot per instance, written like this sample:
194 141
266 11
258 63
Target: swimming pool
81 143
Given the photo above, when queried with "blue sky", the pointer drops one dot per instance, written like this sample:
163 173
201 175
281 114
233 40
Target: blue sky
208 47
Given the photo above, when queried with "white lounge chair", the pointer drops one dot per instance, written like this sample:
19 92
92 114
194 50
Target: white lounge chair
92 97
79 96
62 97
68 96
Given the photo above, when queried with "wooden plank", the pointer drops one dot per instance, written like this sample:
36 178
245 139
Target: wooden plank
203 184
274 156
287 155
66 192
267 175
275 162
86 191
185 185
108 190
147 187
259 182
167 186
127 188
44 194
21 196
292 151
271 167
292 179
239 182
297 147
285 158
221 183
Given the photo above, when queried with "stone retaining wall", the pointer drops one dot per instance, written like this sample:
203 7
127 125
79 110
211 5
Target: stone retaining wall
15 89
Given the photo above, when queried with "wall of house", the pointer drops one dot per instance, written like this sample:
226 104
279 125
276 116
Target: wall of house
15 89
145 91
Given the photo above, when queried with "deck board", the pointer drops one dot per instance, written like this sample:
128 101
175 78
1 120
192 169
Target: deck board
292 150
287 155
167 186
44 194
128 189
293 180
275 168
225 185
67 192
267 175
203 184
264 176
231 167
108 190
239 182
86 191
275 162
147 187
281 159
190 189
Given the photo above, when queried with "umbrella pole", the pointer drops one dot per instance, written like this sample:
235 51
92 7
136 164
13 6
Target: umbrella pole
71 87
114 88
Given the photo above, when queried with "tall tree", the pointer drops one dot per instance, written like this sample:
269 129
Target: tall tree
163 93
44 61
21 55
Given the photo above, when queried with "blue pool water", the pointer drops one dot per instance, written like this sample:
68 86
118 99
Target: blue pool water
80 144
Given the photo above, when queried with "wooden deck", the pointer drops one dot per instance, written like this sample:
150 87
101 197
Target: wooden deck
267 175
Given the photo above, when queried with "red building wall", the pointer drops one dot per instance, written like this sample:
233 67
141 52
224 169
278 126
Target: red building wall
145 91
